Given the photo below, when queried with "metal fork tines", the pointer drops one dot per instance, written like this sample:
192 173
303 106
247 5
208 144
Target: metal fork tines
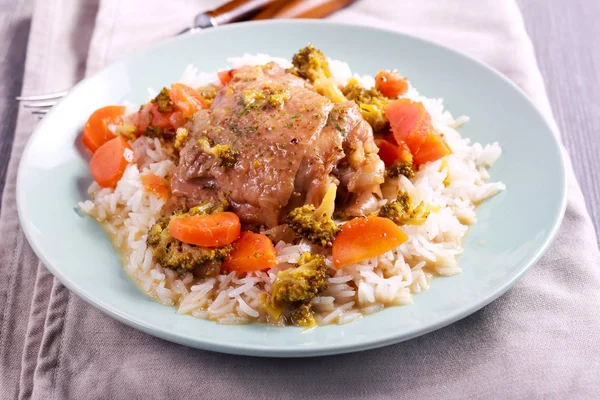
48 96
41 104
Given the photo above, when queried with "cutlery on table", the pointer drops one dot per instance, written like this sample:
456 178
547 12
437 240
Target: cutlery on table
232 11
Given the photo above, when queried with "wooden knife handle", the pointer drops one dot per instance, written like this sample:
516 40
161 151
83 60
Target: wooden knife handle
236 10
302 9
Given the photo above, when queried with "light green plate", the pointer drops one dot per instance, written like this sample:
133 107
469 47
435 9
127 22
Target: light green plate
516 226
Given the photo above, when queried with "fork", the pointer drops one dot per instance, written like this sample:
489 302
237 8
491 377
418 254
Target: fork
231 11
41 104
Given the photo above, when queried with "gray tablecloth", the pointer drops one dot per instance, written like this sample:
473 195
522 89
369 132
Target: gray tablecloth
539 340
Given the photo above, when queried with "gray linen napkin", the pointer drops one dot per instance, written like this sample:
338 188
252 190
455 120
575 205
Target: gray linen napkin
539 340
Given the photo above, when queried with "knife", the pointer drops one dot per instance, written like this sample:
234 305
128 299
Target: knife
301 9
231 11
238 10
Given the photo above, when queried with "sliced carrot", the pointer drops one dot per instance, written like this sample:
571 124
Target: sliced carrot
187 99
391 153
364 238
226 76
155 184
432 149
410 122
110 161
99 127
149 115
177 119
212 230
166 120
251 252
142 118
391 84
160 120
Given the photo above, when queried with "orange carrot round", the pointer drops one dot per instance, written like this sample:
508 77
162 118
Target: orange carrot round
391 84
155 184
212 230
97 129
251 252
410 122
110 161
391 153
432 149
226 76
187 99
159 119
149 115
364 238
143 118
177 119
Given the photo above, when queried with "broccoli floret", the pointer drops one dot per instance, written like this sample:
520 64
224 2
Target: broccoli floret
301 314
355 91
316 224
312 65
163 101
268 97
302 283
371 103
127 131
277 98
226 155
181 137
166 137
205 208
208 93
402 211
397 210
174 254
294 288
401 168
254 97
153 131
341 215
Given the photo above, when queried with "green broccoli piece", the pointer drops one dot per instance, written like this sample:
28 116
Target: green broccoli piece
163 101
401 168
302 283
205 208
341 215
371 103
402 211
294 288
181 137
316 224
153 131
175 254
301 314
312 65
226 155
397 210
208 93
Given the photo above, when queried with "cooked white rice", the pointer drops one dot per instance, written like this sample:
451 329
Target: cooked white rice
452 187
